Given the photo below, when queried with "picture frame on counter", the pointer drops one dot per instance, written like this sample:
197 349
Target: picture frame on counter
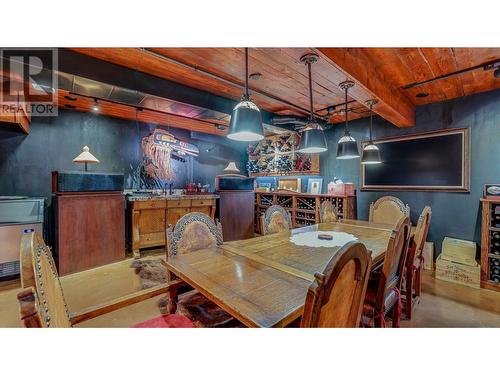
314 185
291 184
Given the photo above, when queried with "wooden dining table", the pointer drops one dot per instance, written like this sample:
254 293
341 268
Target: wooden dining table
263 281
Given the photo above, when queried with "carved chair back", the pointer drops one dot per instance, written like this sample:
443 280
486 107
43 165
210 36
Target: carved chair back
327 212
388 210
29 242
336 296
43 304
194 231
276 219
421 231
394 261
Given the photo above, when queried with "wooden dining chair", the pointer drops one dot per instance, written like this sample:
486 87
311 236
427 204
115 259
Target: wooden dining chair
388 210
383 292
335 298
43 305
276 219
327 212
195 231
415 263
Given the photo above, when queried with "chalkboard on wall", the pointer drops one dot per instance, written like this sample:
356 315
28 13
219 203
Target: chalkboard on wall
435 161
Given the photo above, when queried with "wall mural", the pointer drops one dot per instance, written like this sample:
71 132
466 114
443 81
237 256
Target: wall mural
159 150
276 155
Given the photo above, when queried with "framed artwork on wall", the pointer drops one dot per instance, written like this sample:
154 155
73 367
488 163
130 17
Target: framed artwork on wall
314 185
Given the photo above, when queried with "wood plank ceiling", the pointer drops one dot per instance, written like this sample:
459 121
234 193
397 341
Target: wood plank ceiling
282 88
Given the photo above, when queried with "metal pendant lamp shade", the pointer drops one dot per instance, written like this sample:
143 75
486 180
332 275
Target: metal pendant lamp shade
347 147
246 122
371 152
313 139
246 119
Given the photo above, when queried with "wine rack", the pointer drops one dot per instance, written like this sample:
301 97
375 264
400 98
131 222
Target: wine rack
303 208
490 244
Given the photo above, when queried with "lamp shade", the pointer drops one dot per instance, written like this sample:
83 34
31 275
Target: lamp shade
371 154
347 147
85 156
246 123
313 141
231 168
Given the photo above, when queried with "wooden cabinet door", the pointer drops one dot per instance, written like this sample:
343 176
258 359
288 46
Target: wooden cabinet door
152 227
90 230
174 214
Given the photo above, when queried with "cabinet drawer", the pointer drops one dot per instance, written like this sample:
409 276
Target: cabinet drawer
203 202
152 239
179 203
141 205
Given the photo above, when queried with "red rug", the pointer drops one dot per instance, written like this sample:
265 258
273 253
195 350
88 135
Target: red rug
167 321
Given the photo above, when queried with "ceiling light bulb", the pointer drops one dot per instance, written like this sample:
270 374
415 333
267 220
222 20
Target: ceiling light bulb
95 107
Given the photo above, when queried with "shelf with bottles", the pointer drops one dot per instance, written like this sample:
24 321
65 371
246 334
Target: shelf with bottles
306 203
276 156
285 201
495 270
490 244
266 199
494 248
311 216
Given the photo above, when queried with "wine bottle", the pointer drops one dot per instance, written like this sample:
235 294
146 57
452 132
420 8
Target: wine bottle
495 263
495 270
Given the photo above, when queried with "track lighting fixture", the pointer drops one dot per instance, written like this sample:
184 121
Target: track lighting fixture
95 106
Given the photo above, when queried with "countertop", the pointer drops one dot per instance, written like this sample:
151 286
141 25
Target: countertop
170 197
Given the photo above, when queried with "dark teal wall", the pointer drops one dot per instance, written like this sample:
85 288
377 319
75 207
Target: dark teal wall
26 162
453 214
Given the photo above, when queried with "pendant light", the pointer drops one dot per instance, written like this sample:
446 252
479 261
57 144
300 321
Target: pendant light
313 139
371 153
246 119
347 147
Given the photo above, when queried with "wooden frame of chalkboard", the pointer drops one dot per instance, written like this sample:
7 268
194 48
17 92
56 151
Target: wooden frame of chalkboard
457 171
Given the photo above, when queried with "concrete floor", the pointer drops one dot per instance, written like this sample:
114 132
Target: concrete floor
443 304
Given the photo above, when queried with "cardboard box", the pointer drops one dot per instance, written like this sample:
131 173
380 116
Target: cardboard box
344 189
428 256
458 273
459 251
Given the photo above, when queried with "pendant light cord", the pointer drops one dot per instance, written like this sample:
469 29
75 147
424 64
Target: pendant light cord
247 96
346 107
311 114
371 122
